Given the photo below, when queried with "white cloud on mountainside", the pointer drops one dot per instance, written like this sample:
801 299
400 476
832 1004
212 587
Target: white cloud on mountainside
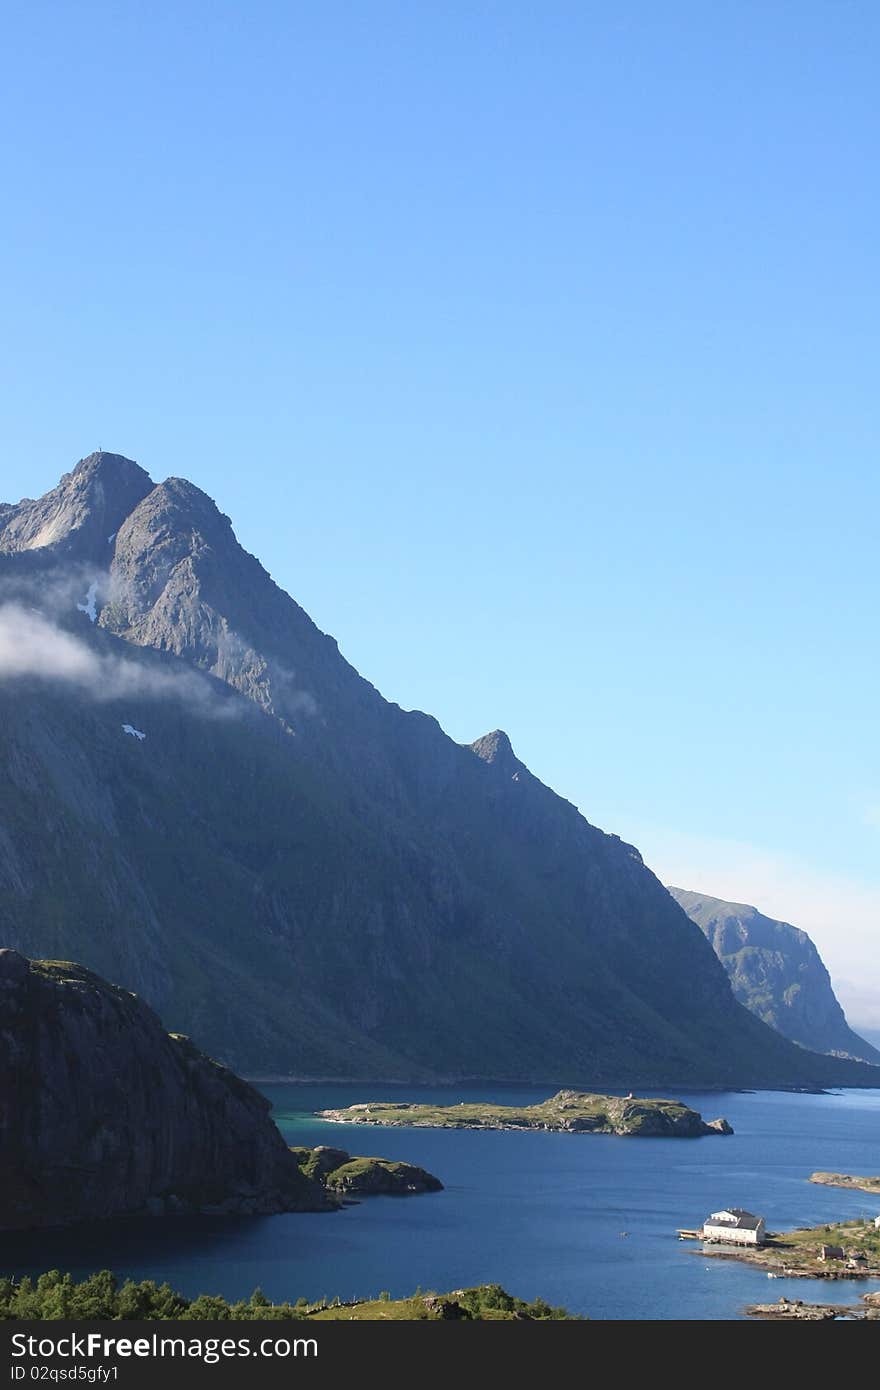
32 647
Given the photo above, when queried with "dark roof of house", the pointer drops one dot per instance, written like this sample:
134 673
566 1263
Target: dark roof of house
743 1220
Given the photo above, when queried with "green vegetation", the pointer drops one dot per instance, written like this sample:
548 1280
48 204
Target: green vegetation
847 1180
857 1236
488 1303
57 1296
574 1111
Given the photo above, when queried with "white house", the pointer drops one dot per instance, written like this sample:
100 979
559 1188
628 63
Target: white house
877 1222
735 1227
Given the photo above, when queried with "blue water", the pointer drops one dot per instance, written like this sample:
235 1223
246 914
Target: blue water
539 1213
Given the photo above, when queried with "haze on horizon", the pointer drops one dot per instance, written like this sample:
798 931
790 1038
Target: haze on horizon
532 354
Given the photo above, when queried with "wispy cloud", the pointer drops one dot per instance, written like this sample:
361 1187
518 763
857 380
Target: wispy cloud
32 647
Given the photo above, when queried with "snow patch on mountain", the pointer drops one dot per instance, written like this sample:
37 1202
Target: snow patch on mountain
90 607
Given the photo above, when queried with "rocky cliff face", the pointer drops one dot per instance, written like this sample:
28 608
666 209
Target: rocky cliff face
205 802
102 1111
776 972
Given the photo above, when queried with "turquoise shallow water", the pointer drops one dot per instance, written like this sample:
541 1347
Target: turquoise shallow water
539 1213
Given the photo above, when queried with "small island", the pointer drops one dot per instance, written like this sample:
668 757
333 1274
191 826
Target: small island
578 1112
342 1175
847 1180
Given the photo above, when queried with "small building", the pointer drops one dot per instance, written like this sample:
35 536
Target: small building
877 1222
832 1252
734 1226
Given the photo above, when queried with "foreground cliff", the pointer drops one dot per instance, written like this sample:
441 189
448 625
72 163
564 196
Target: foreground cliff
776 971
205 802
102 1111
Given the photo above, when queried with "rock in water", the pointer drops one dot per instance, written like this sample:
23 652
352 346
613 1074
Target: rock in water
102 1111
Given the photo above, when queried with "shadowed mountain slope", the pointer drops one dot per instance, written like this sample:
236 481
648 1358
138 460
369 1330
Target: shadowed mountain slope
309 879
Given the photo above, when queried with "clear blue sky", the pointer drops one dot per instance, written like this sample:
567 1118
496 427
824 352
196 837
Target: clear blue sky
533 348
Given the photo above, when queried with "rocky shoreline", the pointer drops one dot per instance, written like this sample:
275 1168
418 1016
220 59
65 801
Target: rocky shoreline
848 1250
795 1310
860 1184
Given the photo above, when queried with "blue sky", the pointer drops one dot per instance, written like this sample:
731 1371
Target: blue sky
534 351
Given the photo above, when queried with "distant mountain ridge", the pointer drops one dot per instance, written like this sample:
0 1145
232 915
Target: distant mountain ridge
776 972
309 879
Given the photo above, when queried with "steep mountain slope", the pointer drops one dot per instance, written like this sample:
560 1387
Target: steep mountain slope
101 1111
776 972
306 877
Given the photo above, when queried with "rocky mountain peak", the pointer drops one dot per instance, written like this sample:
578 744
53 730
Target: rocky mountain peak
109 467
496 748
79 518
173 520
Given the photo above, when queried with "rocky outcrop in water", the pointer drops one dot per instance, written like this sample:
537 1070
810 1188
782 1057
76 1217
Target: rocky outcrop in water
102 1111
353 1176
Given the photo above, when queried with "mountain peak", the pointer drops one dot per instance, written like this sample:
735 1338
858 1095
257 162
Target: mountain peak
102 463
78 517
178 505
495 748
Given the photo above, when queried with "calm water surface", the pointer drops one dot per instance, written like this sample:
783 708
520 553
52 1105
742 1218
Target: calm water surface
539 1213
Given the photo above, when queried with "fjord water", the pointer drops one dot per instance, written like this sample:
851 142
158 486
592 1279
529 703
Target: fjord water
588 1221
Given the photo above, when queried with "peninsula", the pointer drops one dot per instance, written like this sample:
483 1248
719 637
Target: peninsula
846 1250
847 1180
567 1111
